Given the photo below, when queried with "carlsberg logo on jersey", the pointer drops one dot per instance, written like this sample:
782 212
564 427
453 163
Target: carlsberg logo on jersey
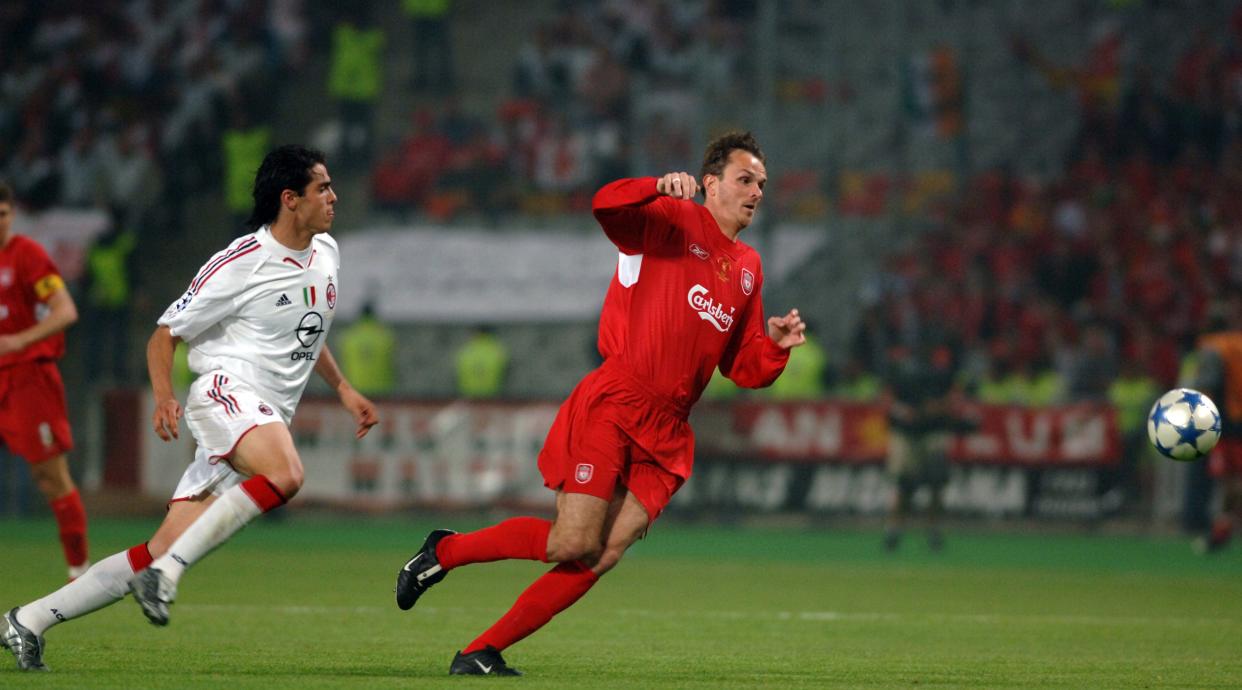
710 310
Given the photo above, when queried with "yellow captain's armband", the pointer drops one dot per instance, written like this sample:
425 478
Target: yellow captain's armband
48 285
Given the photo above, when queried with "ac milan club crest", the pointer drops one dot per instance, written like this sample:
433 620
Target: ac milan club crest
748 281
330 295
584 472
265 409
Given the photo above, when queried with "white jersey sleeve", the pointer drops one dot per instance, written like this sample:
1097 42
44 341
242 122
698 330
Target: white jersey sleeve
213 293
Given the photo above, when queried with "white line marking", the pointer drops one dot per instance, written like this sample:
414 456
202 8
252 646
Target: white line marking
784 616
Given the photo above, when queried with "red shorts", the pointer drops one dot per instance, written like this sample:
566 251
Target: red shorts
611 435
1226 458
33 419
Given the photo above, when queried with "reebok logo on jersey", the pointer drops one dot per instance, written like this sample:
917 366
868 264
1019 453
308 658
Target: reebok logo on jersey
710 310
700 252
284 300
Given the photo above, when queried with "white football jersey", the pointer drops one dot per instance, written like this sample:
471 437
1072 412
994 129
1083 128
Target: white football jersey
260 312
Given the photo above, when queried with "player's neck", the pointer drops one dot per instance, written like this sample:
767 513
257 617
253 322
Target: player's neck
290 236
729 230
4 239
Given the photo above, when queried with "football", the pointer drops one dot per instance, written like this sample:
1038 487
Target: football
1184 424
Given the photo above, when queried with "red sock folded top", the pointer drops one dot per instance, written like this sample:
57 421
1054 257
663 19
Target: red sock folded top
520 537
139 557
263 492
71 522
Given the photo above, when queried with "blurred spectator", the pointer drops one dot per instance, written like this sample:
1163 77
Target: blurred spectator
354 80
1132 394
482 365
108 289
804 377
921 383
244 146
367 351
433 44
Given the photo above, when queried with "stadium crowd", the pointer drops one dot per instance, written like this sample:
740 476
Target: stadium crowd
103 102
563 131
1116 264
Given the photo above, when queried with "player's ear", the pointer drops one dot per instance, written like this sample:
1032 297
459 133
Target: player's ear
289 199
709 185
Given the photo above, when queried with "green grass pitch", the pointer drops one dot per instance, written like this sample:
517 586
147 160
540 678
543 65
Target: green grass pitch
307 603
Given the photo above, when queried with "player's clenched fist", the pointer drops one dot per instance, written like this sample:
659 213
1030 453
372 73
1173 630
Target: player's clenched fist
166 414
679 185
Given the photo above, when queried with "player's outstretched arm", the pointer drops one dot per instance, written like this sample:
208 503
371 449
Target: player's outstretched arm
788 331
160 349
358 405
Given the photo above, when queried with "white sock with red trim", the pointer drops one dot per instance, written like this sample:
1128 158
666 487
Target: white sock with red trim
104 583
222 519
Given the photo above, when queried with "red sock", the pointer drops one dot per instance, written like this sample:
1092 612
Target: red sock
263 492
139 557
520 537
549 595
71 520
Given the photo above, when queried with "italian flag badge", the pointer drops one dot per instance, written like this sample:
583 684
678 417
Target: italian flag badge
308 295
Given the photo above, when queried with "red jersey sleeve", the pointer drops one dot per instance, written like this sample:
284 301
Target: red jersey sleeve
38 271
634 215
752 359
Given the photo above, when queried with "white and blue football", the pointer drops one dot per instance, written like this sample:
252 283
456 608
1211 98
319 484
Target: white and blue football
1184 424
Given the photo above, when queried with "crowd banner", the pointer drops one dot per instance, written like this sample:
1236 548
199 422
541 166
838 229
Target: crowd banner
1084 434
477 275
823 456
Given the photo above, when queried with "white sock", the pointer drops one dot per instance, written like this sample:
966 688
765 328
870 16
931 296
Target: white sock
220 521
107 581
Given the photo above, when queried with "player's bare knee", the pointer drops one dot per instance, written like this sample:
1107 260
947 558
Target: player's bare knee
573 547
288 482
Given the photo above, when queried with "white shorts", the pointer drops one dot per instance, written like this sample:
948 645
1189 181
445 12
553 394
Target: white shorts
219 411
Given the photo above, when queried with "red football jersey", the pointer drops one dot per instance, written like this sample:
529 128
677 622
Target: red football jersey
684 299
27 279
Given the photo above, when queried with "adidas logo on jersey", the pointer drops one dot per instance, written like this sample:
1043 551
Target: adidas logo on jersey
284 300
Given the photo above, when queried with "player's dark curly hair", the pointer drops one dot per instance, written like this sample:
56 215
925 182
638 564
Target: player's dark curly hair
717 154
288 167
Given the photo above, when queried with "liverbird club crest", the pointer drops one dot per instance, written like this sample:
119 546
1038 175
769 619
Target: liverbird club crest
584 472
748 281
